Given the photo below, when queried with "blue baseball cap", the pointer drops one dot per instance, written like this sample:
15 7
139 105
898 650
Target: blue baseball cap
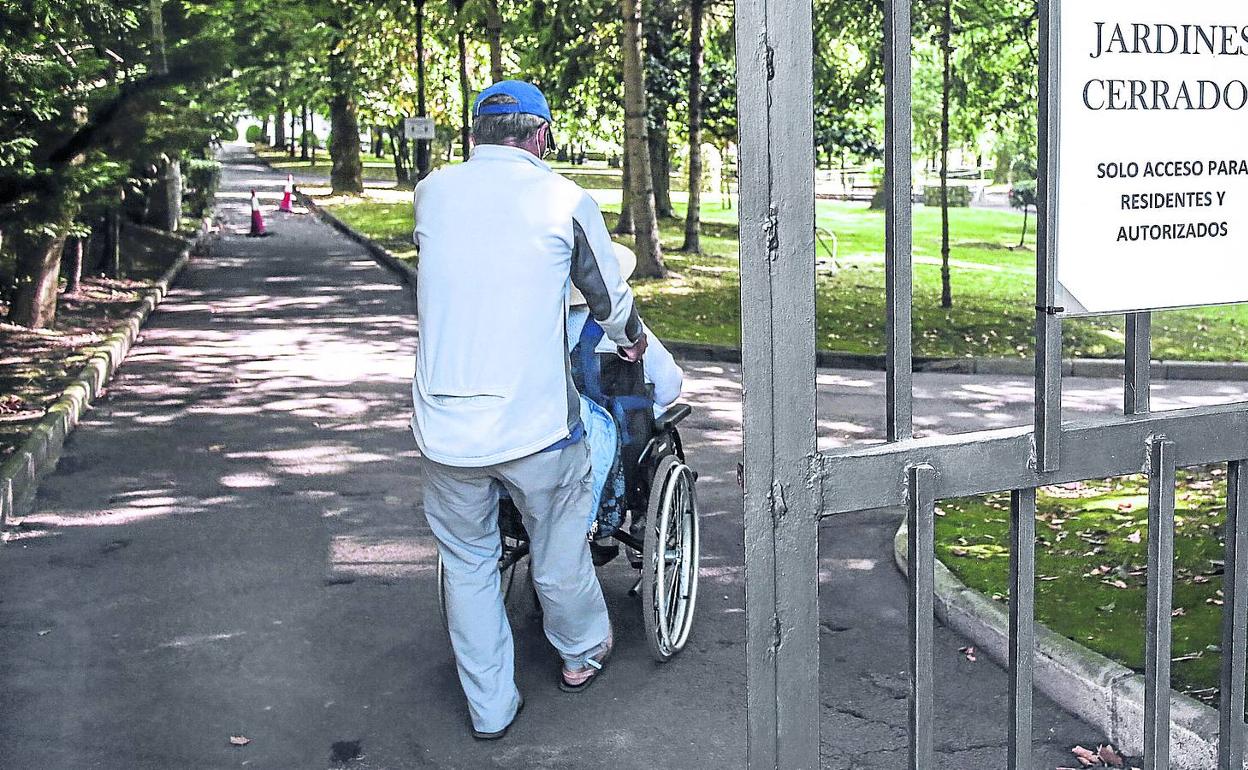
529 100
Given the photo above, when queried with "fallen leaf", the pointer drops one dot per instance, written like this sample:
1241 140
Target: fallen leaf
1200 579
1115 583
239 740
1108 607
1134 537
1109 756
969 652
1178 612
45 632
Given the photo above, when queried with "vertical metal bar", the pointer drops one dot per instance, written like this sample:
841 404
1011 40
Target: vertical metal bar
1231 738
1137 376
758 399
898 232
776 125
1048 419
1159 596
921 570
1022 625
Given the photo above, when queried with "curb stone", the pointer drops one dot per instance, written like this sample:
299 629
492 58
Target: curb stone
830 359
1094 688
38 455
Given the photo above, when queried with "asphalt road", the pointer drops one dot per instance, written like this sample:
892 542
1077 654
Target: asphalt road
233 546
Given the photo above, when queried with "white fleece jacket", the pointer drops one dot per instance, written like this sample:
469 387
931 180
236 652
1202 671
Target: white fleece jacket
500 237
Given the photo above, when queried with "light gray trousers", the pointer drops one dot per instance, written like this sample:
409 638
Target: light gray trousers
553 492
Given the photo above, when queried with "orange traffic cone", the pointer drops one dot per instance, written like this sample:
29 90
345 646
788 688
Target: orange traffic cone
287 194
257 219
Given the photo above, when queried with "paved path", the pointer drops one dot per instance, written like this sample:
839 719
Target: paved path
233 546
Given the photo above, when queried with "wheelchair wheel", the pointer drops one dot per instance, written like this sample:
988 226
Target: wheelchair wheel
669 576
508 568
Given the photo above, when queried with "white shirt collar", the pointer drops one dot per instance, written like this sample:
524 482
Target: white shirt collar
507 153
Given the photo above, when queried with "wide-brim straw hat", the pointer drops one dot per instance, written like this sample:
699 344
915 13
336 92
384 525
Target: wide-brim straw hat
628 263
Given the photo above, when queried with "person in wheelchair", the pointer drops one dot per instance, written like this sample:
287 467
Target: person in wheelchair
610 395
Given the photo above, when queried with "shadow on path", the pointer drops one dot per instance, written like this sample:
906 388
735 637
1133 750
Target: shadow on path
232 546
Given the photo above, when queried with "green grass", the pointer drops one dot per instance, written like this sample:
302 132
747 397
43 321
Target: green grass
374 168
1091 554
993 285
390 224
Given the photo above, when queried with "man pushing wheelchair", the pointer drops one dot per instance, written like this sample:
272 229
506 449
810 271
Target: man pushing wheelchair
501 238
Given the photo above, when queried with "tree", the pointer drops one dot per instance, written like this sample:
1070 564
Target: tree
422 146
625 226
170 184
663 73
641 183
1023 196
494 34
465 93
946 52
89 100
346 175
693 213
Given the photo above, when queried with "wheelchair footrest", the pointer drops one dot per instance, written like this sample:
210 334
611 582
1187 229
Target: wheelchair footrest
603 553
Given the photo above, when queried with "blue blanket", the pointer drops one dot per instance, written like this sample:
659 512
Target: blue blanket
603 437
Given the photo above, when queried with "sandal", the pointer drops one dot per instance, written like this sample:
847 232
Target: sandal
580 678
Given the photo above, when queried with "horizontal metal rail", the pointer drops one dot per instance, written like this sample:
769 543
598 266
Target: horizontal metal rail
1004 460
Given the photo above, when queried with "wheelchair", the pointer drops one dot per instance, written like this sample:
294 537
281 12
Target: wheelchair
653 514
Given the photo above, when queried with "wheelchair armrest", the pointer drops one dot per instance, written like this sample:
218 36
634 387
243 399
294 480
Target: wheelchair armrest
674 414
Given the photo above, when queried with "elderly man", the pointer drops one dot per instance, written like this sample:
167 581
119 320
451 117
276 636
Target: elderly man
500 238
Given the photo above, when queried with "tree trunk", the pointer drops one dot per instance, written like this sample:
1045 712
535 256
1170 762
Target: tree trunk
303 134
279 124
398 150
465 127
422 145
625 224
346 175
649 249
946 289
693 213
73 272
112 228
494 33
156 12
264 129
36 273
290 150
1022 239
660 168
172 184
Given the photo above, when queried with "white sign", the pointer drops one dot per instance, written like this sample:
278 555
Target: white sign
1152 207
418 128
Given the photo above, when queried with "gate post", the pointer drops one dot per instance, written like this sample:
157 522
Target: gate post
777 225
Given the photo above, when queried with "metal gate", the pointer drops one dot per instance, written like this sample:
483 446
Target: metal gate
790 485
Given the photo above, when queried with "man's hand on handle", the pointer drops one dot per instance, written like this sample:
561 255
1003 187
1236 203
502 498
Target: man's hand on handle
633 354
